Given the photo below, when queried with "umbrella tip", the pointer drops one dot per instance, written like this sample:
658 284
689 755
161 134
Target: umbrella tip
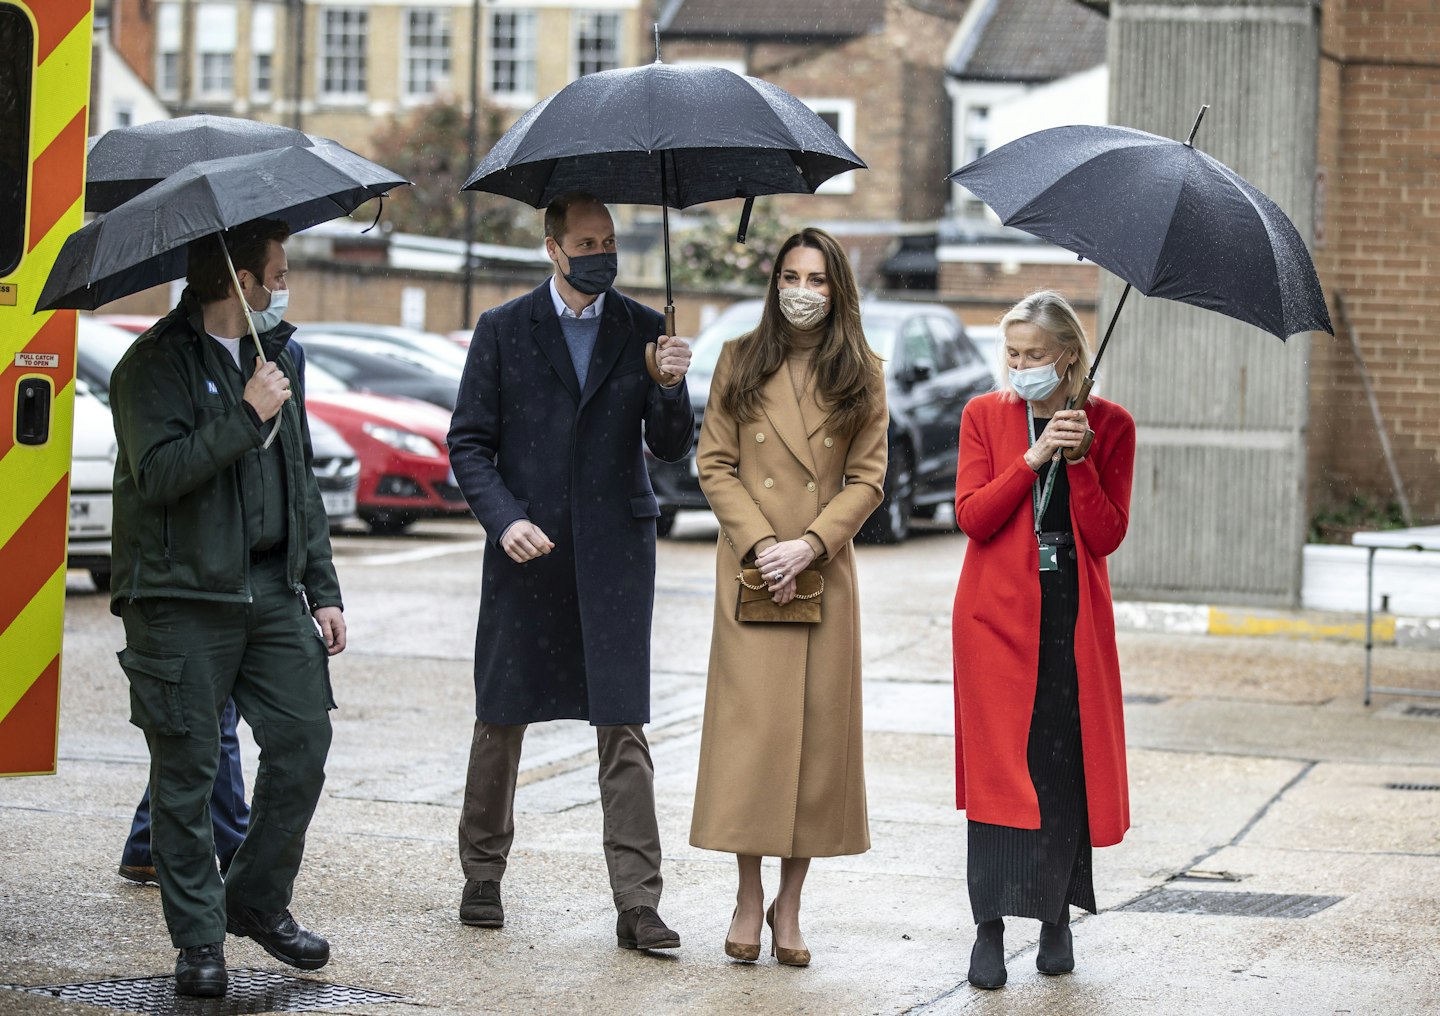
657 43
1196 126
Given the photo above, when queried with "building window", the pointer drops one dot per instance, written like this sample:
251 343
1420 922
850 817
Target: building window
976 143
597 42
427 53
215 50
512 55
262 52
167 51
344 32
840 115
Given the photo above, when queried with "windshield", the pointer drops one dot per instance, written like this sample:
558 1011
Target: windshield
740 318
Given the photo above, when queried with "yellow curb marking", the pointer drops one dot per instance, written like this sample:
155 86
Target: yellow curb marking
1224 622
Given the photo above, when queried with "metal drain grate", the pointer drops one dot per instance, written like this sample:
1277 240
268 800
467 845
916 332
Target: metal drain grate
250 991
1144 700
1412 786
1224 904
1429 712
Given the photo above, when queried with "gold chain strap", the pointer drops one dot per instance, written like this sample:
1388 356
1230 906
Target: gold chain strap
799 596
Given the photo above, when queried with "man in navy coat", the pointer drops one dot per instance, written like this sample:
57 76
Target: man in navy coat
546 443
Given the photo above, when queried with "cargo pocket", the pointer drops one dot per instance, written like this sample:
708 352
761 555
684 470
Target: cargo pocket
155 704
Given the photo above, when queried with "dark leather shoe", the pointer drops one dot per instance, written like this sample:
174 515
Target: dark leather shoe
480 905
1057 947
641 928
987 958
279 935
140 874
200 970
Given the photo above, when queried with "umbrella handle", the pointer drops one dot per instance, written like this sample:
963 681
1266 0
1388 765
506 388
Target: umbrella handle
652 362
1076 454
250 323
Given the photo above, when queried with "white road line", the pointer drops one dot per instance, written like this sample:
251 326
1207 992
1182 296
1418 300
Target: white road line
419 554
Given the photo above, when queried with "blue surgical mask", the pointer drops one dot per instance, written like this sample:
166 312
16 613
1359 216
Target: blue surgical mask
592 274
273 314
1035 383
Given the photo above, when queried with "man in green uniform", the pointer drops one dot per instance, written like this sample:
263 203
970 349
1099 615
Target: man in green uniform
221 560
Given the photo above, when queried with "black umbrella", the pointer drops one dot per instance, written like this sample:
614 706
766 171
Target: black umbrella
142 242
127 161
668 136
1168 219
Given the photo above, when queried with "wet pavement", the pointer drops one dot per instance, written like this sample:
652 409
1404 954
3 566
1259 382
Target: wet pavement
1257 779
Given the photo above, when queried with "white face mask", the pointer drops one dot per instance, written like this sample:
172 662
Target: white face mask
1035 383
273 313
804 308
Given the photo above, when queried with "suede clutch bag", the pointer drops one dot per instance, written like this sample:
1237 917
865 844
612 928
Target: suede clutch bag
754 602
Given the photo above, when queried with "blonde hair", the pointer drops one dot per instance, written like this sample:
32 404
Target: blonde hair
1052 313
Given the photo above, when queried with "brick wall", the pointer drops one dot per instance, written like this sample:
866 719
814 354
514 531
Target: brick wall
989 288
1378 249
902 114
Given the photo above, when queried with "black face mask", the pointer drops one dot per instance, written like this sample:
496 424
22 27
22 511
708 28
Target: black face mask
592 274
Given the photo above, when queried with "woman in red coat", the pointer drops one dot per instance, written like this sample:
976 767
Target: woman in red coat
1040 737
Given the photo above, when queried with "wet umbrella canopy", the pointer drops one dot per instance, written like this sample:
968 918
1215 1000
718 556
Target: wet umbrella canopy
142 242
1168 219
127 161
667 136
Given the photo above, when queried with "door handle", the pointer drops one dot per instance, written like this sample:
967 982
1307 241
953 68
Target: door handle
32 410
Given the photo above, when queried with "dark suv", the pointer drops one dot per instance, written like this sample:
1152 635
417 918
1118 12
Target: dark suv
931 371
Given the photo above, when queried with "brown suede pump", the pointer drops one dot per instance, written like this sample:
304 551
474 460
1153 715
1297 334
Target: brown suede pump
745 952
787 957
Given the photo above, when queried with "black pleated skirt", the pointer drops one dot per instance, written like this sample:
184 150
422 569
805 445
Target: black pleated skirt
1036 873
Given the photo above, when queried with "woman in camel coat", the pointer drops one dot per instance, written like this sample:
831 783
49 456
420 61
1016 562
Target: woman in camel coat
792 457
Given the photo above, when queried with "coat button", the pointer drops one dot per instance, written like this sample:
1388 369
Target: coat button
829 442
810 486
768 482
760 438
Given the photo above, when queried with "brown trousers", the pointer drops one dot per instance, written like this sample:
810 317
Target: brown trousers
627 799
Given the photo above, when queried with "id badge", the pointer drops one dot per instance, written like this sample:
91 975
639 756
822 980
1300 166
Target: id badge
1049 558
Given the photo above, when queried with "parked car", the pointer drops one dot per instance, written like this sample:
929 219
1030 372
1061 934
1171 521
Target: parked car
931 372
92 477
404 465
428 344
365 365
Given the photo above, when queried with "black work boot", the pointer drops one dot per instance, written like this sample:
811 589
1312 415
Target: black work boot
200 970
987 958
280 935
1057 948
480 905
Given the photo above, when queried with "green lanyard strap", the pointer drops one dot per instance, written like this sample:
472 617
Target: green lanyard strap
1040 500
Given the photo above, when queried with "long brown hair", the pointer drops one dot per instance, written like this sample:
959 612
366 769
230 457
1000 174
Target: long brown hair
848 375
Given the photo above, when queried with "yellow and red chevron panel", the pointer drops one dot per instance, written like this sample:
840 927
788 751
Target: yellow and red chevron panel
35 477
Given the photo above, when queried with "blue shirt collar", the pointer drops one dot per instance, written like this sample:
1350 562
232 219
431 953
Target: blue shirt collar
562 309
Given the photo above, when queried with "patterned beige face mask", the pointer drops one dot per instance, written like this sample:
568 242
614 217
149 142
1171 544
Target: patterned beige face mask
804 308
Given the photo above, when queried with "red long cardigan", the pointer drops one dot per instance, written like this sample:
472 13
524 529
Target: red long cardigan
996 622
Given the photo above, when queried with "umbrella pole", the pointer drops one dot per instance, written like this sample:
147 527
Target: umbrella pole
250 323
1089 382
652 363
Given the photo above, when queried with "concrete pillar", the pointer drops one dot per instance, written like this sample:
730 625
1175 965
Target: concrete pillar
1218 513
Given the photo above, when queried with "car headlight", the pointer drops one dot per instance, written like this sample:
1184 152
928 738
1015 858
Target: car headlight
404 440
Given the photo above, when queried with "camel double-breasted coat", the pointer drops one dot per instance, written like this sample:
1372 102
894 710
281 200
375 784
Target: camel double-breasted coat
781 758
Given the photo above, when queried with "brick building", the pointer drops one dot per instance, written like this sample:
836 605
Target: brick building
335 67
1377 247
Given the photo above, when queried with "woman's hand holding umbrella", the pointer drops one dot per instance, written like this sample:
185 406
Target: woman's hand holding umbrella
1066 430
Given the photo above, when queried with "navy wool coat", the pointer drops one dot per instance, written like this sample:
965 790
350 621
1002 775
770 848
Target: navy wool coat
566 635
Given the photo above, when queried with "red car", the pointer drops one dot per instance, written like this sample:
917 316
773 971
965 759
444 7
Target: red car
404 466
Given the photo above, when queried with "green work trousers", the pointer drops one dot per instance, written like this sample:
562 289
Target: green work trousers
183 659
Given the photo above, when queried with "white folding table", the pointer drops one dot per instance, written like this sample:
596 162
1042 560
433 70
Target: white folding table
1421 538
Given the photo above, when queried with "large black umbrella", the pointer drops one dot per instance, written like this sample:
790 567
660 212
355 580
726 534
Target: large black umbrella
1165 217
665 135
142 242
127 161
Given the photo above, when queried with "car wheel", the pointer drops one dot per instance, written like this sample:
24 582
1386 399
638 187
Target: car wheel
386 524
101 578
890 523
666 521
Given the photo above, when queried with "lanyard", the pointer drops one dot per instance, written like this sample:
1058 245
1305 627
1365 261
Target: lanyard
1041 501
